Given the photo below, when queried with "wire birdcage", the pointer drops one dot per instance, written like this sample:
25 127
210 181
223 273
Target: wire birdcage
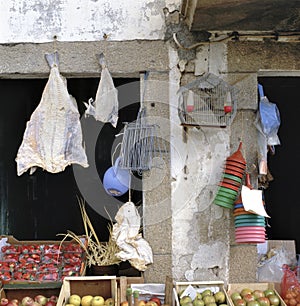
207 101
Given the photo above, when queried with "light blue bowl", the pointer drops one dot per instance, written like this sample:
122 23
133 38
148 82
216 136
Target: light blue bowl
116 181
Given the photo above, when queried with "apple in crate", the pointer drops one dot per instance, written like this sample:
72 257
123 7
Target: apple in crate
15 302
27 301
86 300
74 299
220 297
4 301
109 302
50 303
97 300
41 299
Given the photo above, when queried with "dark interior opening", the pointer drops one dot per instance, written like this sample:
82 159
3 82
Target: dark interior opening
42 205
282 195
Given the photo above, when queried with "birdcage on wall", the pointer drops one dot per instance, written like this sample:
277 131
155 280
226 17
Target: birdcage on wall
207 101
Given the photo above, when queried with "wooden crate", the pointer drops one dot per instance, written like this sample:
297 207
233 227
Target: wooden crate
124 282
43 275
233 287
19 291
105 286
199 286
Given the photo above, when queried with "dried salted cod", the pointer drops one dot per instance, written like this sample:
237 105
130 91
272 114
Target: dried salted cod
105 107
53 135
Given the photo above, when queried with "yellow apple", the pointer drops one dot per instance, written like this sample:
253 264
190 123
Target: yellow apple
151 303
97 300
75 300
109 302
86 300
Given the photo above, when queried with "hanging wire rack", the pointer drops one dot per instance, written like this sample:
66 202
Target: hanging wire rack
142 145
207 101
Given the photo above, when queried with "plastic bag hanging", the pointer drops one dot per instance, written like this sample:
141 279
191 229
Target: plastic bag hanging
268 118
106 104
267 123
133 247
53 135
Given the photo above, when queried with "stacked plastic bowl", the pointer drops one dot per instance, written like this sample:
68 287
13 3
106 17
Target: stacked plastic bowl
229 187
249 227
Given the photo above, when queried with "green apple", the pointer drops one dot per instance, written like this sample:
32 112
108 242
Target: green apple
199 296
220 297
207 292
97 300
263 301
268 292
75 300
185 304
198 302
245 291
239 302
248 297
235 295
208 299
258 293
212 304
274 299
253 303
185 299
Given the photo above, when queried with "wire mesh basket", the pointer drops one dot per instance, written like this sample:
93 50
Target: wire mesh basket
207 101
142 146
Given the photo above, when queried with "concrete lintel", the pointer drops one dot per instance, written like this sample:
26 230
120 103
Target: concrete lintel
78 59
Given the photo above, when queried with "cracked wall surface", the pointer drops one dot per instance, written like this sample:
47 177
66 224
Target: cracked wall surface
76 20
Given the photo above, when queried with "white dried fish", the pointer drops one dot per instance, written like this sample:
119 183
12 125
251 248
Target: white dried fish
53 136
106 104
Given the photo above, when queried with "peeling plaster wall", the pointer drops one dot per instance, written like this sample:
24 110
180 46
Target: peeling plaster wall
200 228
76 20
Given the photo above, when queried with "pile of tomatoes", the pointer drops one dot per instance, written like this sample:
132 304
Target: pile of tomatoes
34 262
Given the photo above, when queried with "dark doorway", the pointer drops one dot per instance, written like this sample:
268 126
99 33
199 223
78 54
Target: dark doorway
42 205
283 192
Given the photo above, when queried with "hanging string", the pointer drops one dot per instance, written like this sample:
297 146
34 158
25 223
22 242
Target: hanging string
129 188
242 137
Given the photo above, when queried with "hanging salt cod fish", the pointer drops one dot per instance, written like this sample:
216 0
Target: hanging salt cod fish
53 135
105 107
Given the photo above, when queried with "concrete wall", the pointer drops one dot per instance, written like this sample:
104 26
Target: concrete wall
76 20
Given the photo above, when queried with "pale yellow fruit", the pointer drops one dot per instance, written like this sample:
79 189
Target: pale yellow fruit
109 302
74 299
97 300
220 297
185 299
209 299
86 300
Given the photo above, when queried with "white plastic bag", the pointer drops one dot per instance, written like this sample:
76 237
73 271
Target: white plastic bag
133 247
106 104
270 269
